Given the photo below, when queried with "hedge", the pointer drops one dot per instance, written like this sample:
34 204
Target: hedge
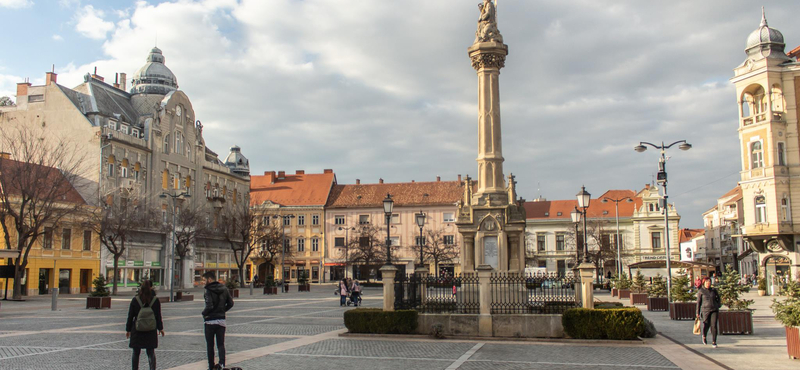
377 321
619 323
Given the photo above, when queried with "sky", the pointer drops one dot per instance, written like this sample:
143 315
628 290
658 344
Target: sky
385 89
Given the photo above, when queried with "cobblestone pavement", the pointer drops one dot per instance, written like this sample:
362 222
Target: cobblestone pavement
293 330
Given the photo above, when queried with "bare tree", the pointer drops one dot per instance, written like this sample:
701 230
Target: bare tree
271 240
244 230
600 247
190 222
367 246
36 190
440 247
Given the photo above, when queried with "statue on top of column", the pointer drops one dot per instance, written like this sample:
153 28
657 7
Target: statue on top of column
487 24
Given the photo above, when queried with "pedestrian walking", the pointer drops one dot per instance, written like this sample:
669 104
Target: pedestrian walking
218 301
708 305
144 324
355 292
344 289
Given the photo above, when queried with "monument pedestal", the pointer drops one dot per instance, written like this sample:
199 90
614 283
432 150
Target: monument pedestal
388 272
587 284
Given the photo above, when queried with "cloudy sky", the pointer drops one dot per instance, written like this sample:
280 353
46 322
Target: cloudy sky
384 89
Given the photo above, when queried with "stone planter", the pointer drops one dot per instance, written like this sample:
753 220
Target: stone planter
638 298
235 293
304 288
762 293
793 341
683 310
735 322
614 292
624 293
658 304
180 297
270 290
98 302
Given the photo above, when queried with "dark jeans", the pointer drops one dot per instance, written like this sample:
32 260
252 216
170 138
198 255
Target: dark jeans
342 299
218 332
151 358
354 298
710 320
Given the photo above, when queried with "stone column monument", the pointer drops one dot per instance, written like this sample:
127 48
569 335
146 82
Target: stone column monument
490 219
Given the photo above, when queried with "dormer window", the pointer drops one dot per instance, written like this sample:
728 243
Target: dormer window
124 129
135 133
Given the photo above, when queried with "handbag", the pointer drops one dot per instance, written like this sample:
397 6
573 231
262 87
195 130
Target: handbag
697 327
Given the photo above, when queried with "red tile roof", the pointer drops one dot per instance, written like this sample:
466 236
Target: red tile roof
404 194
794 53
46 177
689 234
735 195
300 189
597 209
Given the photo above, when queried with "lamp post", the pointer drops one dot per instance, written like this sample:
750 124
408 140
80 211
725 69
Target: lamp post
616 213
182 195
576 219
583 203
420 218
388 205
662 180
346 246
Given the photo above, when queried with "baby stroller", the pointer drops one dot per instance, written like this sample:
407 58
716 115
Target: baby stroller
357 299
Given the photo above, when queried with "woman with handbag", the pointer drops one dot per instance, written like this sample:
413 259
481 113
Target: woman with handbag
708 305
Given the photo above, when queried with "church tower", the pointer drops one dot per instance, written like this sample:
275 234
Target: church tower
490 220
767 86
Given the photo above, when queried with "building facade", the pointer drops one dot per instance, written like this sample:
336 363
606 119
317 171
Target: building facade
693 245
767 100
552 237
723 242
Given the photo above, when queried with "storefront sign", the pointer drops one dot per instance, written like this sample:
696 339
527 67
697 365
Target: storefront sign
654 258
110 263
198 265
211 265
138 263
129 263
156 264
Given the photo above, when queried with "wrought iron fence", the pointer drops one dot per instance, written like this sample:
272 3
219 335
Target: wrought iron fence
536 293
431 294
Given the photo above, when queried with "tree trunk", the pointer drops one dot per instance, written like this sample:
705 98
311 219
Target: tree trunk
115 279
18 272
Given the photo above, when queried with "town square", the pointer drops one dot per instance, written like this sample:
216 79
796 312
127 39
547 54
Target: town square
242 184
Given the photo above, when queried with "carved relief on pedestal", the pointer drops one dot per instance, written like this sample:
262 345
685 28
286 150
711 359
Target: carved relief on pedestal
488 60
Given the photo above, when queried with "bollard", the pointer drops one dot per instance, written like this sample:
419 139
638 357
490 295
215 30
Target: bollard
54 305
251 287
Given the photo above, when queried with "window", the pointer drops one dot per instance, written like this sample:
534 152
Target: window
655 240
124 129
48 238
614 240
541 242
449 239
338 242
35 98
395 218
166 144
66 239
338 220
176 181
761 209
542 264
287 221
123 172
786 214
301 245
286 245
363 219
301 220
363 241
315 219
605 240
560 243
164 216
135 132
420 240
178 142
112 125
757 155
395 240
315 244
110 170
87 240
448 217
781 154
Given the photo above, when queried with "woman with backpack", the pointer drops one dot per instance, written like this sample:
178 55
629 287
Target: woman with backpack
144 324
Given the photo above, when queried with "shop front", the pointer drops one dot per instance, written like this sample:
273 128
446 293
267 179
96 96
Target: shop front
218 261
136 265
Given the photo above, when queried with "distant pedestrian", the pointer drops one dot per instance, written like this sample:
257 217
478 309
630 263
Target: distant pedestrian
355 292
144 324
344 289
218 301
708 305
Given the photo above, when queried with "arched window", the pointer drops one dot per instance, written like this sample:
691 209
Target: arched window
761 209
165 179
178 142
757 155
166 144
786 213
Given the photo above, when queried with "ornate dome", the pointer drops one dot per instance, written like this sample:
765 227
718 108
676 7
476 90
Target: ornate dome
237 162
765 41
154 77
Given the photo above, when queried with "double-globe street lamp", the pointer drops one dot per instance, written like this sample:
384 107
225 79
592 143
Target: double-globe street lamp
662 180
616 212
420 218
182 195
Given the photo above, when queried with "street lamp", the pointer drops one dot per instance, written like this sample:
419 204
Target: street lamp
346 246
182 195
662 180
616 212
420 218
388 205
583 203
576 219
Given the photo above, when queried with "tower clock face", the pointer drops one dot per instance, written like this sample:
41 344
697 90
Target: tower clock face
774 247
178 111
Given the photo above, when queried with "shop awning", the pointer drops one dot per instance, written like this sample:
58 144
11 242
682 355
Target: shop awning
334 264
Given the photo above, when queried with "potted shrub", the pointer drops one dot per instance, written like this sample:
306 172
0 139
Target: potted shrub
233 288
302 282
737 319
638 289
787 312
624 286
614 290
99 297
657 295
762 286
683 306
270 287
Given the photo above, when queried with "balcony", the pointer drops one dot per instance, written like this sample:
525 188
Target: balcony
122 137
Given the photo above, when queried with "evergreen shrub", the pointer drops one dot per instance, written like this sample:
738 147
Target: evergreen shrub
618 324
377 321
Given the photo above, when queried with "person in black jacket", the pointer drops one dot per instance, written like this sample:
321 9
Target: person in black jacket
708 304
144 339
218 301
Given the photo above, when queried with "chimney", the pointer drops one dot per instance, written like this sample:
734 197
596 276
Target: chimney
270 176
22 88
438 178
380 181
116 80
5 155
413 181
300 172
50 77
122 81
281 175
459 177
358 181
327 170
96 76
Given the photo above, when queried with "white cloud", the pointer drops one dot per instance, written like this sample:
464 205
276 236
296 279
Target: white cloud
90 23
58 38
15 4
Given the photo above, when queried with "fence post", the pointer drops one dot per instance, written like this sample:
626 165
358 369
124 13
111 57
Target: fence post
485 317
577 284
422 276
387 273
587 284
